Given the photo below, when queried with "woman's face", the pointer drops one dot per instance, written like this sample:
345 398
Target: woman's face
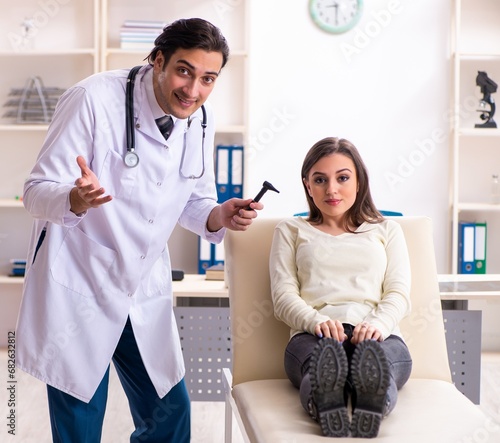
332 183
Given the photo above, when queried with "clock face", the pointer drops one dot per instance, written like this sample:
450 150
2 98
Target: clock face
336 16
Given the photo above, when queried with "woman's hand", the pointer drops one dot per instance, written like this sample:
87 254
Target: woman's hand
330 329
365 331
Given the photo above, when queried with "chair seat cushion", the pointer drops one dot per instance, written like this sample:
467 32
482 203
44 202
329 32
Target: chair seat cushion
428 411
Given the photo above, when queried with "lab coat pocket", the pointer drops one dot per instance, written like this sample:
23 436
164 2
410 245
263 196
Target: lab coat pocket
117 178
158 281
81 264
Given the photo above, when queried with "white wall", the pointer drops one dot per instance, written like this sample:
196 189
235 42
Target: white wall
384 85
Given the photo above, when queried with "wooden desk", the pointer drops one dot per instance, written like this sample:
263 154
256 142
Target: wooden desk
464 326
195 285
469 286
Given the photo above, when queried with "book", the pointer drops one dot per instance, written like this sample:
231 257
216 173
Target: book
139 34
18 267
215 272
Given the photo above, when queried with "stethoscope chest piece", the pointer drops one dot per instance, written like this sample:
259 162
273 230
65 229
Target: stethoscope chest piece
131 159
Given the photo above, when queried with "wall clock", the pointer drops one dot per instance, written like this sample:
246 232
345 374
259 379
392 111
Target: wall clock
336 16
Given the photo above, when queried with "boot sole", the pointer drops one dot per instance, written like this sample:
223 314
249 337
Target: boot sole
370 377
328 370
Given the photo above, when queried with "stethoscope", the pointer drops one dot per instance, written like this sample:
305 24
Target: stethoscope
131 158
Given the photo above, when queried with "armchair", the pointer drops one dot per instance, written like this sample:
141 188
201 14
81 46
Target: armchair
430 408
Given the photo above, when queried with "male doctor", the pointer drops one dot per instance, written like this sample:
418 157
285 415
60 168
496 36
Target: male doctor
98 285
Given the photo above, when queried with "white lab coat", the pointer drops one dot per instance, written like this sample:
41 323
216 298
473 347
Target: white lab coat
93 271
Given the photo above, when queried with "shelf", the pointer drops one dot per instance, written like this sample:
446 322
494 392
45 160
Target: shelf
48 52
478 57
6 280
478 207
144 51
230 129
225 129
23 127
479 132
10 203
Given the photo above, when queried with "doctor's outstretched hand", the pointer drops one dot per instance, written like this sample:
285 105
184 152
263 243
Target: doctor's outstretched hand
232 214
87 192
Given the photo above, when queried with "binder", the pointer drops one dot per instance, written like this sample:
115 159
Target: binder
480 248
222 173
466 250
229 172
218 254
209 254
229 184
237 171
204 255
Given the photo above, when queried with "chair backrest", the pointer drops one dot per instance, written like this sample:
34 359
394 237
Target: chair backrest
259 340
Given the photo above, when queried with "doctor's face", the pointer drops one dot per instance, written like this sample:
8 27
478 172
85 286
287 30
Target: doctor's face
185 82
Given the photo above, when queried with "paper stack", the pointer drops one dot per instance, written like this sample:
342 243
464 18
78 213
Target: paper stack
140 34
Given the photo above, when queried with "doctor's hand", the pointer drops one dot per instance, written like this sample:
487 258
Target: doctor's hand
87 192
232 214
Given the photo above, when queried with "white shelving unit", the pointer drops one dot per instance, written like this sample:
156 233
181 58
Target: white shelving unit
229 96
475 151
61 49
72 40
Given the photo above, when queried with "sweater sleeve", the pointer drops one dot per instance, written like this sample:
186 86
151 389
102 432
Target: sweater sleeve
395 300
289 306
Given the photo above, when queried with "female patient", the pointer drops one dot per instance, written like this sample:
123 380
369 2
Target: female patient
340 279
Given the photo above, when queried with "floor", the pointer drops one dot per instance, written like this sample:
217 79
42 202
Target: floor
32 422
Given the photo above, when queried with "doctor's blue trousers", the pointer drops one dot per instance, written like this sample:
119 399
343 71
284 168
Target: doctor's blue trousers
156 420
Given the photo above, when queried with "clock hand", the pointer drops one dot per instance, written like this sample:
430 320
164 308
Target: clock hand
336 6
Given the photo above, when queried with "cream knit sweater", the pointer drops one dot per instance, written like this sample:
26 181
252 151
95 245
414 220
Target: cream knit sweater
352 277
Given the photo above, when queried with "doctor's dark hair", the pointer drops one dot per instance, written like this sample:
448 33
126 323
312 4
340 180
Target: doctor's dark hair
192 33
363 209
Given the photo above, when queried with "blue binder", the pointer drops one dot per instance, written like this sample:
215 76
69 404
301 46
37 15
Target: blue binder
229 183
466 248
229 172
209 254
204 255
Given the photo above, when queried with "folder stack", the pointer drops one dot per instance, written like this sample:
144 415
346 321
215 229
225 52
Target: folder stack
229 172
229 183
140 34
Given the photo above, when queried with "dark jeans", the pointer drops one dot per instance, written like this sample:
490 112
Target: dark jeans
298 353
158 420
